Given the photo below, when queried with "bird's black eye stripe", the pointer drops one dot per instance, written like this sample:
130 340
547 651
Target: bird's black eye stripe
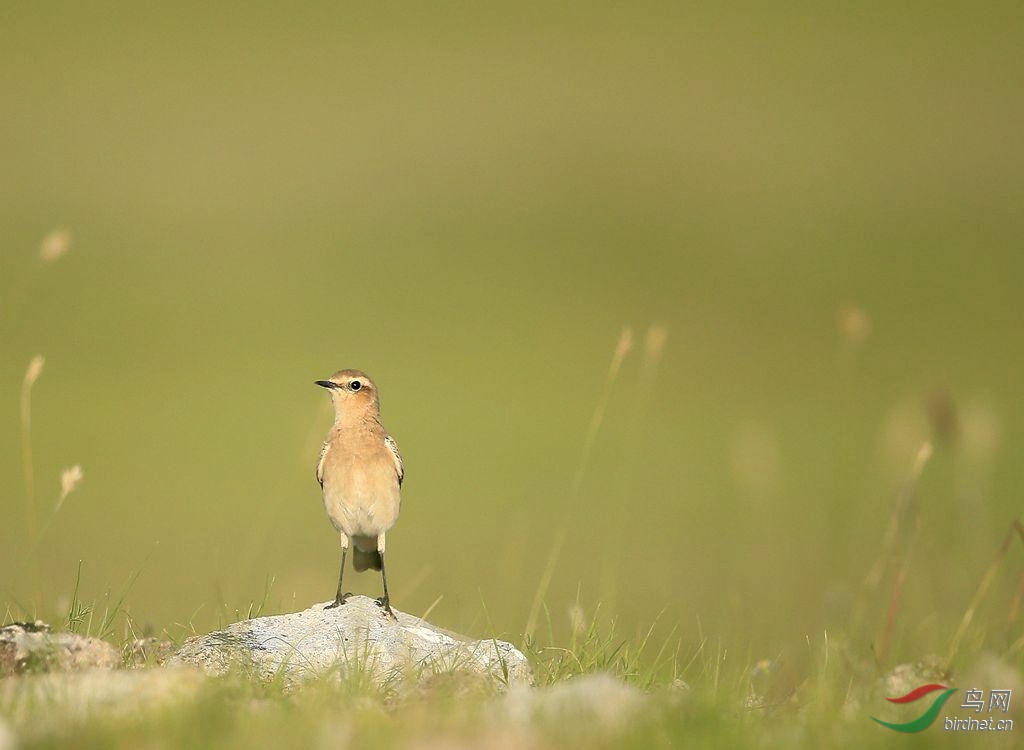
356 385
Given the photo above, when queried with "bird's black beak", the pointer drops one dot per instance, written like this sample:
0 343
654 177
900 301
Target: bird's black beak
331 385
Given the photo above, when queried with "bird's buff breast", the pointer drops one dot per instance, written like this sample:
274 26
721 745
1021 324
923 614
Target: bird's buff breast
362 505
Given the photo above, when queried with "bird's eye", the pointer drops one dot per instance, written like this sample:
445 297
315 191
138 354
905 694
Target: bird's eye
356 385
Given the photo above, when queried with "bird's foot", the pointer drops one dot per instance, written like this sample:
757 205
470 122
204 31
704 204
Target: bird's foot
385 603
338 600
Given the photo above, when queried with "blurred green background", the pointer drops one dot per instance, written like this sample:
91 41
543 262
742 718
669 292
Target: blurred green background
821 208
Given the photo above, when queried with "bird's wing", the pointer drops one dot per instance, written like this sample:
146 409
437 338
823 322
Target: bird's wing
320 464
393 446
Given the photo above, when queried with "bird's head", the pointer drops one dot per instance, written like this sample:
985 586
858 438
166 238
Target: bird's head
351 391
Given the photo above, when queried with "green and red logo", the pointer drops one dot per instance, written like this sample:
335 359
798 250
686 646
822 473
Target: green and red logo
924 720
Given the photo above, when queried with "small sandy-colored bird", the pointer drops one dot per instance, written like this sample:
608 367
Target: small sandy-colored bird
360 471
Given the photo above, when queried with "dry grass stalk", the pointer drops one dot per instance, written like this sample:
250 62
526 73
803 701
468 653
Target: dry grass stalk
654 347
622 348
899 510
69 481
854 323
55 245
32 373
890 554
1016 529
1011 618
896 596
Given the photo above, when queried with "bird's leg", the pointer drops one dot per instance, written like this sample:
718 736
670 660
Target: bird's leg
384 601
340 598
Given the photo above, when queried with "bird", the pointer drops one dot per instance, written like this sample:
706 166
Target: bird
360 472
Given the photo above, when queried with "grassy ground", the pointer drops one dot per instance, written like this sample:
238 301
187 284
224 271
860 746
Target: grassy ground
599 688
708 698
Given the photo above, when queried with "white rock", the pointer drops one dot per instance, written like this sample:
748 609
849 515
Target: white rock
31 647
78 697
356 635
905 677
595 701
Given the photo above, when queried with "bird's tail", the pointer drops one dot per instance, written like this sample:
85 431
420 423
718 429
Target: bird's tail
363 560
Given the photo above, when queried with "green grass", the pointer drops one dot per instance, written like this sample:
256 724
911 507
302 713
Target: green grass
725 701
703 694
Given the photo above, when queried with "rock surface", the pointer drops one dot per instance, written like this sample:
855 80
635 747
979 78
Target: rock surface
905 677
596 701
31 647
356 636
